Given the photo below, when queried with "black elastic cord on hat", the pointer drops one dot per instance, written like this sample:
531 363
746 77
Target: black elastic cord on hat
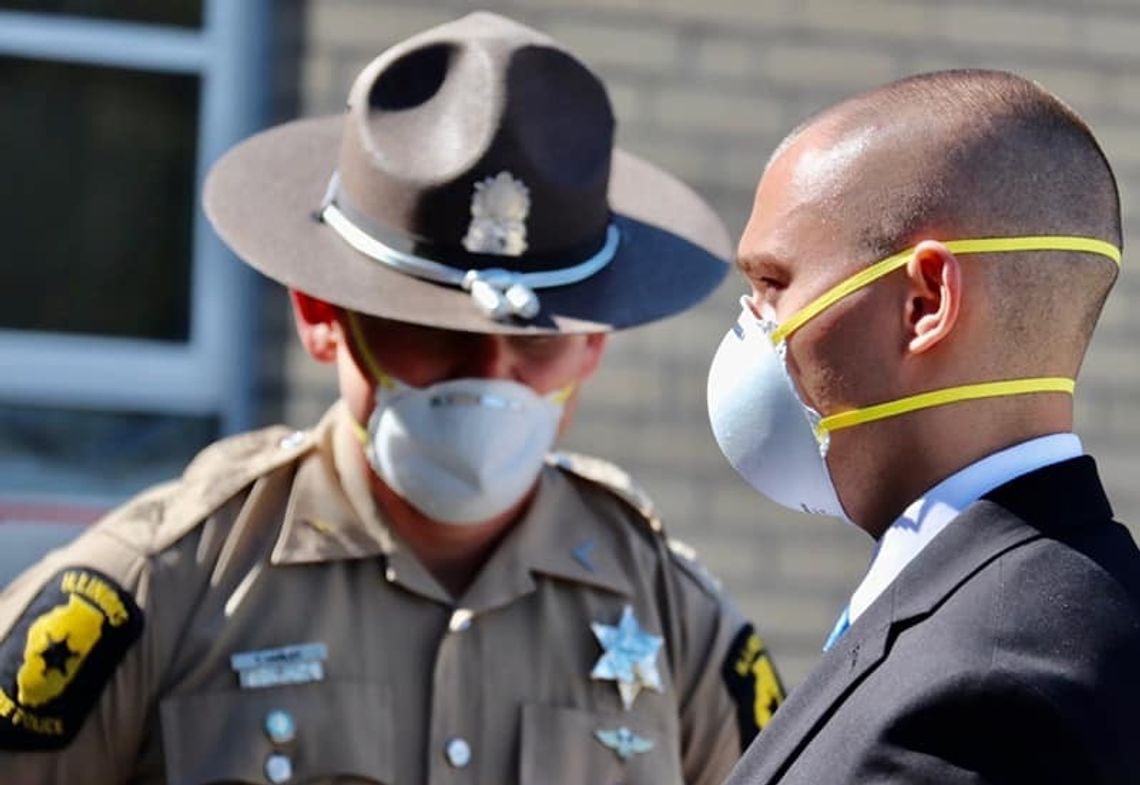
497 292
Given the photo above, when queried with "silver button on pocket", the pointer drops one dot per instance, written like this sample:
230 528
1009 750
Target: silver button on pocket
278 768
458 753
280 727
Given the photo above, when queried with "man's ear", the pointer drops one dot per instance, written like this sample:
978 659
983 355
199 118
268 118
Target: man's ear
934 295
317 325
595 347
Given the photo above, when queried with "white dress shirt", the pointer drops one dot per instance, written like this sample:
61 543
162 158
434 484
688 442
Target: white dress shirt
935 509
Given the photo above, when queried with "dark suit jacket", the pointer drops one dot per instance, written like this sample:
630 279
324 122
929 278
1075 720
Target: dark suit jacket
1008 651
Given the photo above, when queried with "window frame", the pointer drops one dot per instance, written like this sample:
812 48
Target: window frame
213 371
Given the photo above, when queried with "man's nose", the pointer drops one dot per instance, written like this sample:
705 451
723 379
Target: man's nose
489 357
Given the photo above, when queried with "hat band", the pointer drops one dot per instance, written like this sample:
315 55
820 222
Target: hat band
499 293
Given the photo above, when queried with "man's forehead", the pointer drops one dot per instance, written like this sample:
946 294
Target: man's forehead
821 161
803 203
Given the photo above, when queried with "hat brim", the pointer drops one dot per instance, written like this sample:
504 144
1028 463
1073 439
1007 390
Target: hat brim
263 195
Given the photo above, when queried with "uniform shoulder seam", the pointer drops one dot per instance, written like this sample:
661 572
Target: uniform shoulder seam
213 477
613 479
688 561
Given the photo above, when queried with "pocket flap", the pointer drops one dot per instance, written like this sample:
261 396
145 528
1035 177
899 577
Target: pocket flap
341 729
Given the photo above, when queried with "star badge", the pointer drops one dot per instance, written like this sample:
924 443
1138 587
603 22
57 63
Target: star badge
624 742
629 657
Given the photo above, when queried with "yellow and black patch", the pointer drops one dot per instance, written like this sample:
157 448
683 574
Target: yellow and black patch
60 654
753 682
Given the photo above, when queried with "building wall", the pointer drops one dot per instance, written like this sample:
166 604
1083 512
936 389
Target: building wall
707 89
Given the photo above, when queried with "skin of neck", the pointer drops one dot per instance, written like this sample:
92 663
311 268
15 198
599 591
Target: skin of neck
878 473
452 553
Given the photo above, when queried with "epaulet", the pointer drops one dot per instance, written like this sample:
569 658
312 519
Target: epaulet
685 555
215 475
611 477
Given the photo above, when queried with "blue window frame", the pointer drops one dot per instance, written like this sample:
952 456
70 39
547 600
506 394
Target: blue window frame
98 353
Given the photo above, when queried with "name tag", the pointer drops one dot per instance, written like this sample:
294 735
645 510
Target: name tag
296 664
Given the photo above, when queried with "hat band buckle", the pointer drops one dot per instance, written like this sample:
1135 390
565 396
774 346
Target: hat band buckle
498 293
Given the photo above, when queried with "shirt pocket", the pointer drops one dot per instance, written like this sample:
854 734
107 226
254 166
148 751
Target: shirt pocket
561 746
342 732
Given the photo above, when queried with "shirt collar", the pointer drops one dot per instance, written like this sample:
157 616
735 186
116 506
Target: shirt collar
326 518
331 516
934 510
560 536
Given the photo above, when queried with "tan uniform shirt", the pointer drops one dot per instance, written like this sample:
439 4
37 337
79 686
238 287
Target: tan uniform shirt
286 636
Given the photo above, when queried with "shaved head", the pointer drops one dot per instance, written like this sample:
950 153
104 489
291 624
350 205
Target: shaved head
916 164
971 153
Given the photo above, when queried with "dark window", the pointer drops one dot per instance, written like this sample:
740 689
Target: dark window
48 452
184 13
98 203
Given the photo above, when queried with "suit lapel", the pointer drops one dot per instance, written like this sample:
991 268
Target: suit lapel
1046 500
810 704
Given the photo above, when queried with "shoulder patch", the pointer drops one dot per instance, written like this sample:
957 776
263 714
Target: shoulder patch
60 654
611 477
753 683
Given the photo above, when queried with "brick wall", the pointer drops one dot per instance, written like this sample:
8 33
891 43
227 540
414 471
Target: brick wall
706 89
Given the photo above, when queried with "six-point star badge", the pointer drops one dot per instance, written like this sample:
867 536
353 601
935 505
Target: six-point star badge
629 657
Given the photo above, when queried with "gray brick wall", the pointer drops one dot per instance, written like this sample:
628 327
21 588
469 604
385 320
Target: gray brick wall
707 89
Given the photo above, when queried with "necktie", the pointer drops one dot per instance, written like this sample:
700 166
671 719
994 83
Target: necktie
841 625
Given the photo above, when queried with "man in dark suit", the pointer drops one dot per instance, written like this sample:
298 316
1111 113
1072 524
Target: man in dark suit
996 635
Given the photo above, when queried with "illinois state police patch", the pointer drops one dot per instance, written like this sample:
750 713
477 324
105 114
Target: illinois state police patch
751 678
60 654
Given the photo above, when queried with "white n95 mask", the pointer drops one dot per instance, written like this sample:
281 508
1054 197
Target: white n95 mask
763 428
461 451
779 444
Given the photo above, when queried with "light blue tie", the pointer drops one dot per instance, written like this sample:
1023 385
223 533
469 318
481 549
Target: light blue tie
841 626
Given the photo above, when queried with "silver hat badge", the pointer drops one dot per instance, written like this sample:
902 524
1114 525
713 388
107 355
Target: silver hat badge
499 209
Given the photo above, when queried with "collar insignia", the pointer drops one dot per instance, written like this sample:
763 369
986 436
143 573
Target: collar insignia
629 657
581 554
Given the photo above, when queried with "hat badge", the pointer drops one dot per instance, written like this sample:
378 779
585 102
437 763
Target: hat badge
499 208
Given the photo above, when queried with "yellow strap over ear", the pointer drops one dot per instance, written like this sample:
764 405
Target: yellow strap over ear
981 245
374 368
929 400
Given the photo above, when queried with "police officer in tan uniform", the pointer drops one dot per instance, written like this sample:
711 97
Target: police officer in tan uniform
416 590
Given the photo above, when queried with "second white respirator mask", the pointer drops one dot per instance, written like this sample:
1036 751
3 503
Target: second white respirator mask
778 443
763 428
461 451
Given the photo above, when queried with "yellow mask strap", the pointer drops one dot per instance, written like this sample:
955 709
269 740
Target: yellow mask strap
895 261
370 363
929 400
359 431
561 396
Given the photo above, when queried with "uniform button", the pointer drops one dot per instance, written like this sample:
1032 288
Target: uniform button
390 574
278 768
460 619
458 753
280 727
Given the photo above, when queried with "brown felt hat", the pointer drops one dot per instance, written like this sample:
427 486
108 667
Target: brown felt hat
471 184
